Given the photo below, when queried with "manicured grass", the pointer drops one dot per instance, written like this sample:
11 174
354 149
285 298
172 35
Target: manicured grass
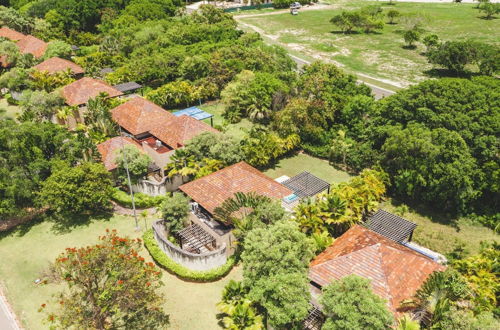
442 235
216 109
301 162
378 55
11 110
24 256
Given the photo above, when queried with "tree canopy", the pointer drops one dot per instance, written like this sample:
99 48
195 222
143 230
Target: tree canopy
350 303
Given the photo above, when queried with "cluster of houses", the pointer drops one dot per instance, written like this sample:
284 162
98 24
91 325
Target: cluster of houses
379 250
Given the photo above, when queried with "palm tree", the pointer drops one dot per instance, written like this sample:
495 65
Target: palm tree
407 323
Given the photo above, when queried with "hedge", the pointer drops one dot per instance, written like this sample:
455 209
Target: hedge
141 200
180 271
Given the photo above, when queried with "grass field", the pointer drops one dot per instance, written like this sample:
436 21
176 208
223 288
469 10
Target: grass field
440 234
216 109
25 254
301 162
376 55
11 111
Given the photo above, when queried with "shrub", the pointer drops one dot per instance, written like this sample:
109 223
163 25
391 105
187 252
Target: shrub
141 200
180 271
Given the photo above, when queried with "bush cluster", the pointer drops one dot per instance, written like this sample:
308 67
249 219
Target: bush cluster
141 200
180 271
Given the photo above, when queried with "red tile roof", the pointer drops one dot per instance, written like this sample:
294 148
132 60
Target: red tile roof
80 91
396 272
139 116
179 130
108 150
32 45
10 34
212 190
56 64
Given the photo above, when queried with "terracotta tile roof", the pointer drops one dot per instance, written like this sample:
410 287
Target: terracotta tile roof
56 64
108 150
139 116
395 271
10 34
212 190
32 45
179 130
80 91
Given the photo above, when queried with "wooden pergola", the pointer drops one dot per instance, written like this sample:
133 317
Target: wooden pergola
391 226
195 239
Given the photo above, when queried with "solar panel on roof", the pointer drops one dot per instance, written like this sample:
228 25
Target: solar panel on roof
391 226
193 112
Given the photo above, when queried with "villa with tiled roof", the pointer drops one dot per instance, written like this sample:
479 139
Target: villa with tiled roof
395 271
158 130
57 64
79 92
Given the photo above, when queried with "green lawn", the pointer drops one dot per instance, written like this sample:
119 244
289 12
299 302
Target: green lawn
301 162
216 109
376 55
438 233
24 256
11 111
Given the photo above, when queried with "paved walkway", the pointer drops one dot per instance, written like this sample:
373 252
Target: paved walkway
7 317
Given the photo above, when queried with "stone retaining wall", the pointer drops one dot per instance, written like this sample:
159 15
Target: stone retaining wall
193 261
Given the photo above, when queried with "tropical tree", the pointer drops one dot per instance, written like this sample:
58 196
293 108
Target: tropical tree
39 106
237 309
411 36
43 80
406 322
175 210
109 286
275 264
350 303
82 189
481 272
99 124
246 211
135 160
431 41
439 292
392 15
10 52
490 9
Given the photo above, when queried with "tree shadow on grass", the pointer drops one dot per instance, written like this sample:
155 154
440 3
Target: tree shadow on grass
346 33
445 73
430 213
63 224
23 228
409 47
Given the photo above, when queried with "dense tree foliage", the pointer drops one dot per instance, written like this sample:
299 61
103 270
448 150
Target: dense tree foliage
135 160
437 142
275 264
346 204
29 153
109 286
350 303
174 211
82 189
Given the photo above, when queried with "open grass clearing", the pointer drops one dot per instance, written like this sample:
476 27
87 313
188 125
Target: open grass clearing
298 163
216 109
376 55
27 252
441 234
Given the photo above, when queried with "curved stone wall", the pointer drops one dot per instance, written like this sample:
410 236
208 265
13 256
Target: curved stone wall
193 261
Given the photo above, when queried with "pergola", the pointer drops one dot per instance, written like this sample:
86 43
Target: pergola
128 87
306 185
314 320
195 239
391 226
